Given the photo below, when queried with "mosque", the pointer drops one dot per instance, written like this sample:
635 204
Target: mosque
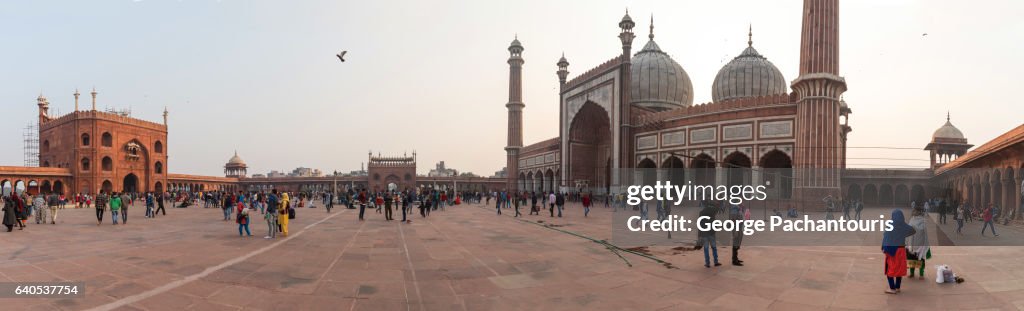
632 119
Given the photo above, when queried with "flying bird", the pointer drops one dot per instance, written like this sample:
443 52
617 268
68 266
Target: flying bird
341 56
925 34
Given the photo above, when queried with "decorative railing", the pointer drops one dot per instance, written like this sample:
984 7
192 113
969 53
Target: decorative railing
653 119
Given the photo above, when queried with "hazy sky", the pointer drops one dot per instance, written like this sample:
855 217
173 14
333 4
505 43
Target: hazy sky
261 76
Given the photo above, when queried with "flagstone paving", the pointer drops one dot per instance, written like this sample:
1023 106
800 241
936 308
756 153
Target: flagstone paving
464 258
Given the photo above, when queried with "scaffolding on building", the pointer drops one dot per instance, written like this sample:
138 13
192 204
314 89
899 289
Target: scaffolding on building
31 145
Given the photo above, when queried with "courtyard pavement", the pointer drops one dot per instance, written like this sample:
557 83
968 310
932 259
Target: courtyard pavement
463 258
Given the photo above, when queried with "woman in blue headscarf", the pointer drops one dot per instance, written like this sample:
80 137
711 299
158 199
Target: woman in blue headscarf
894 246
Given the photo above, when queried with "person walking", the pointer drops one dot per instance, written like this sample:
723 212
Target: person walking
125 202
918 250
149 205
362 203
736 214
388 200
22 209
551 203
706 237
586 204
942 212
39 208
860 207
958 215
285 212
243 219
894 247
406 203
101 207
271 215
560 202
521 197
330 201
115 207
160 205
226 205
54 202
987 217
10 213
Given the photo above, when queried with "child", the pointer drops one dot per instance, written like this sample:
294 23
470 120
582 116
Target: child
243 219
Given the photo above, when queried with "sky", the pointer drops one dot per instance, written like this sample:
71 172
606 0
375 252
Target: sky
260 77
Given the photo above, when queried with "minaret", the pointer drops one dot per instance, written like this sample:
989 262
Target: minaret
625 151
563 70
44 108
515 113
818 160
94 98
165 117
76 98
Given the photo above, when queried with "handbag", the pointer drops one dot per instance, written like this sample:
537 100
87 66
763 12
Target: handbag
291 213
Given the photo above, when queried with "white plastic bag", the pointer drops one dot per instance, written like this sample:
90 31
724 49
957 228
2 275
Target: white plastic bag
939 273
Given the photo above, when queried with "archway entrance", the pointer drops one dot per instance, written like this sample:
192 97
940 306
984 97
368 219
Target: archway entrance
159 188
778 168
590 148
131 183
737 167
58 187
704 169
107 187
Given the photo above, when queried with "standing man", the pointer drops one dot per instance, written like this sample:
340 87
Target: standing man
707 237
115 206
53 202
149 205
226 205
159 205
560 201
271 215
388 200
125 202
736 214
551 204
586 204
362 203
101 207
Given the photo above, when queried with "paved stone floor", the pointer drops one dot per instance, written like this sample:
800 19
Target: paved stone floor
464 258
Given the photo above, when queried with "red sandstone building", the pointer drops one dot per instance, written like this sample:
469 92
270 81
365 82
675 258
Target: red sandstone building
106 151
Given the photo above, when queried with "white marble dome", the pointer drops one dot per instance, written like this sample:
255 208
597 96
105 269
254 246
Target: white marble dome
657 81
747 75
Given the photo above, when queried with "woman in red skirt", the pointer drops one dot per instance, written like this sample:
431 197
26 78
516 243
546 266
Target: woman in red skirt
894 247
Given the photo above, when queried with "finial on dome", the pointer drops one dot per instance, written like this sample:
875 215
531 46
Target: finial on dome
651 35
750 36
947 115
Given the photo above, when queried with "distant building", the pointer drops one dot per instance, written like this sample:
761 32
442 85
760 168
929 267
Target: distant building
305 172
503 173
441 171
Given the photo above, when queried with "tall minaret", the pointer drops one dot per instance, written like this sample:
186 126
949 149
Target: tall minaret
165 117
625 151
94 98
563 70
76 98
515 113
819 156
44 108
